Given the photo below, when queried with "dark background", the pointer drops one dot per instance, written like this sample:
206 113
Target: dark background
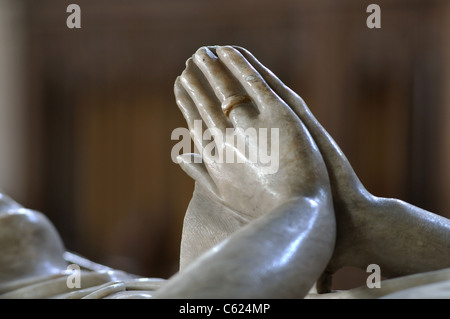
98 107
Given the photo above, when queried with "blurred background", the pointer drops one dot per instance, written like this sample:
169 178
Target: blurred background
86 114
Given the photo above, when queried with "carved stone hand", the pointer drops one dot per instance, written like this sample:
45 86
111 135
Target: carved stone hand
286 230
401 238
221 90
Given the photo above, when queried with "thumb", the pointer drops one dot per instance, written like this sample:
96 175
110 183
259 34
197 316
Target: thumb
193 165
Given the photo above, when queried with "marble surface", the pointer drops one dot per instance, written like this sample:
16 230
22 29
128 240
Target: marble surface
250 231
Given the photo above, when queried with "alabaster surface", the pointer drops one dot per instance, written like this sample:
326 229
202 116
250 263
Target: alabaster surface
254 228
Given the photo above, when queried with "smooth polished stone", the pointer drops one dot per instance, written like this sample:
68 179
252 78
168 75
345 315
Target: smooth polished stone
253 229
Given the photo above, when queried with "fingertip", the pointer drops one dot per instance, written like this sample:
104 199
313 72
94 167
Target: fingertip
186 158
204 54
189 62
213 48
246 53
229 53
199 51
189 72
224 51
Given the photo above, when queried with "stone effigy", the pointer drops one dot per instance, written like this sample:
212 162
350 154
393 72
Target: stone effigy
250 231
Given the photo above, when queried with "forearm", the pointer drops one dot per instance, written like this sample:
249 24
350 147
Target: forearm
420 240
279 255
401 238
